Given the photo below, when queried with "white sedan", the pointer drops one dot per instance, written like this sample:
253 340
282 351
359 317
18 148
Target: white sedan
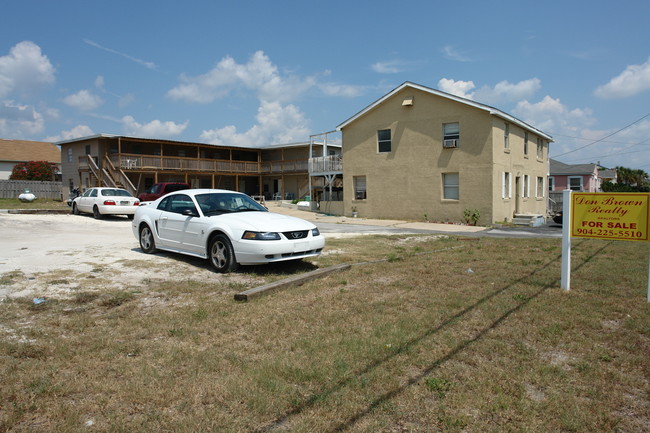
226 227
105 201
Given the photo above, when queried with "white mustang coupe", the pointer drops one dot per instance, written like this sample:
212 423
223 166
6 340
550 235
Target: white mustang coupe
228 228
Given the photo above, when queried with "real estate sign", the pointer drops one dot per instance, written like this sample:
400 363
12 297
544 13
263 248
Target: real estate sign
621 216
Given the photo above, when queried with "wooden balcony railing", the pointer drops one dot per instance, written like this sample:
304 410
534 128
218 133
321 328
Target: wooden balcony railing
164 163
326 164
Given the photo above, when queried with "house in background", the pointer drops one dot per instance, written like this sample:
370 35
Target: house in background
272 172
13 152
421 153
576 177
607 175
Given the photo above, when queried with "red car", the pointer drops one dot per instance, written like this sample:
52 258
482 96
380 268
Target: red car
159 189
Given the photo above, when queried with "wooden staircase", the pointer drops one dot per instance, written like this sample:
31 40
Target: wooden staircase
110 176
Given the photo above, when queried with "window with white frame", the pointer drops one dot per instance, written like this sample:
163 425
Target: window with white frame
575 183
450 182
359 187
384 142
506 136
451 134
540 148
551 183
539 188
69 154
525 188
506 185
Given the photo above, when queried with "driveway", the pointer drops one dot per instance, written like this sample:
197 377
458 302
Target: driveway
47 254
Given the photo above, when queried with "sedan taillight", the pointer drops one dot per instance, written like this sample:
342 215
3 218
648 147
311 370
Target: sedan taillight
136 203
109 203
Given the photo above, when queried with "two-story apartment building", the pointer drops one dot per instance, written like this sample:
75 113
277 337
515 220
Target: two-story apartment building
421 153
272 172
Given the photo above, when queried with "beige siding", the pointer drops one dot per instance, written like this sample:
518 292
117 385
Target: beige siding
513 160
407 182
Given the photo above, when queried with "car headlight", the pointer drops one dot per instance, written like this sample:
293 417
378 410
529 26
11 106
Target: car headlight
315 232
261 236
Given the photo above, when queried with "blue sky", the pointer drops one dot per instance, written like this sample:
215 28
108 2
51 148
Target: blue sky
253 73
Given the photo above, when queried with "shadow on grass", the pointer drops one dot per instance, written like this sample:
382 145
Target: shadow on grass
319 397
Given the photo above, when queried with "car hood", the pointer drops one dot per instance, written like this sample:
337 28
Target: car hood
264 221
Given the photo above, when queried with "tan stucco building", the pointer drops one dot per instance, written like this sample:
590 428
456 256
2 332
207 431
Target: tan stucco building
419 153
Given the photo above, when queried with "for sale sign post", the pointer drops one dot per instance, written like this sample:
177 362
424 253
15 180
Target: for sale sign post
615 216
622 216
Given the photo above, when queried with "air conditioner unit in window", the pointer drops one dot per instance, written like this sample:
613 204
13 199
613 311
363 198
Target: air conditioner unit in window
450 143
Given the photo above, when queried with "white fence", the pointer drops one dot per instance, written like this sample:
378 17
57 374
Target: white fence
13 188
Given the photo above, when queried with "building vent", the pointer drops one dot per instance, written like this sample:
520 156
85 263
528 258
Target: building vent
450 143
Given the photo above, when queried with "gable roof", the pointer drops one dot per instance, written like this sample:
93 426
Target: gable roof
23 150
557 168
491 110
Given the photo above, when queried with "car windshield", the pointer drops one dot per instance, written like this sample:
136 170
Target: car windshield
220 203
115 193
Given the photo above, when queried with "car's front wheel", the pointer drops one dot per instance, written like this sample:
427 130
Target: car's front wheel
75 209
147 243
222 254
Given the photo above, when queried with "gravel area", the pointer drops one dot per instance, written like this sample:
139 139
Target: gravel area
45 255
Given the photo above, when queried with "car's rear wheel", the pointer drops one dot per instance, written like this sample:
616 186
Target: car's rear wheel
147 243
96 213
222 254
75 209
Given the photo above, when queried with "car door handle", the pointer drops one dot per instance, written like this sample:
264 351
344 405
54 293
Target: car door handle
164 218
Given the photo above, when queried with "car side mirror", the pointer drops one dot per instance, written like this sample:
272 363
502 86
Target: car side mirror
189 212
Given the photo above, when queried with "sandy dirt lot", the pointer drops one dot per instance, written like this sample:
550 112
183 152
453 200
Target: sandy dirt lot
48 256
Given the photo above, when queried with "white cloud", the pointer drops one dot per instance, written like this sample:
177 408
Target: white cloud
451 53
344 90
126 100
276 124
502 92
19 120
99 82
505 91
76 132
258 74
458 88
83 100
550 115
24 69
632 81
148 65
389 67
155 128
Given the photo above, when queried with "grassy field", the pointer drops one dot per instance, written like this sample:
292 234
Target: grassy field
426 335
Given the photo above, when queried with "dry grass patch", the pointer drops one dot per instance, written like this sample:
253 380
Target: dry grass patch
411 341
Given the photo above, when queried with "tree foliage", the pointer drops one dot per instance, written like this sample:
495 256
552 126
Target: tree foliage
628 180
34 170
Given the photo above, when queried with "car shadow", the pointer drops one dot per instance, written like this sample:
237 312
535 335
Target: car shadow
291 267
107 218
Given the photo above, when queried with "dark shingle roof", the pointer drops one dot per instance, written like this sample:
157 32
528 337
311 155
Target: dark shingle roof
559 168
